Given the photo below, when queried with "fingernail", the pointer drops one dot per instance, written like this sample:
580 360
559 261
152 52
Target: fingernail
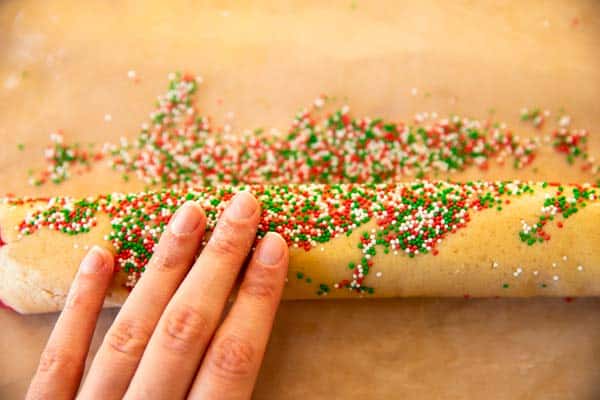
242 206
186 219
93 262
270 250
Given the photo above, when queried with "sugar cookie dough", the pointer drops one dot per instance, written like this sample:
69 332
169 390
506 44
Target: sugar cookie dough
425 238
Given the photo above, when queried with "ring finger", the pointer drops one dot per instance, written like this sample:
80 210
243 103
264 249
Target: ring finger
186 327
119 355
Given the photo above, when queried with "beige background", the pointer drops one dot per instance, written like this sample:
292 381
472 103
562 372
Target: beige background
64 65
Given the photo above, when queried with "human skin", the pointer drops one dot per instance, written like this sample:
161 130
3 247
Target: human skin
174 346
526 239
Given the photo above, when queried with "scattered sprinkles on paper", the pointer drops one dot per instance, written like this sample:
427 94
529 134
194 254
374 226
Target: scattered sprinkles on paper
328 175
179 146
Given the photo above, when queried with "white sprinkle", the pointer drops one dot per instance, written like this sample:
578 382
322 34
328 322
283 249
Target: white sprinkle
379 274
131 74
553 265
495 264
536 273
580 268
556 277
564 258
564 121
414 91
107 117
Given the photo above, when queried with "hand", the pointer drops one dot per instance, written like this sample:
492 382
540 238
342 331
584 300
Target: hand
168 340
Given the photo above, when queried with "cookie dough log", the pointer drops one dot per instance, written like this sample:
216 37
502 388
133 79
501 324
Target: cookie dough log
480 239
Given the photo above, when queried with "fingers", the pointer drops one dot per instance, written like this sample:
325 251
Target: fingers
119 355
172 357
233 360
63 360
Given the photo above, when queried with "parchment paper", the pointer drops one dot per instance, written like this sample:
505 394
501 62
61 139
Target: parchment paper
64 64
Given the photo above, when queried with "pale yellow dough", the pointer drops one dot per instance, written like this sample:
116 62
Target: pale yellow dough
485 259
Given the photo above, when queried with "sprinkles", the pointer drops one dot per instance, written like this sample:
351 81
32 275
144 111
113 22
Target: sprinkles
179 146
559 204
328 175
411 219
